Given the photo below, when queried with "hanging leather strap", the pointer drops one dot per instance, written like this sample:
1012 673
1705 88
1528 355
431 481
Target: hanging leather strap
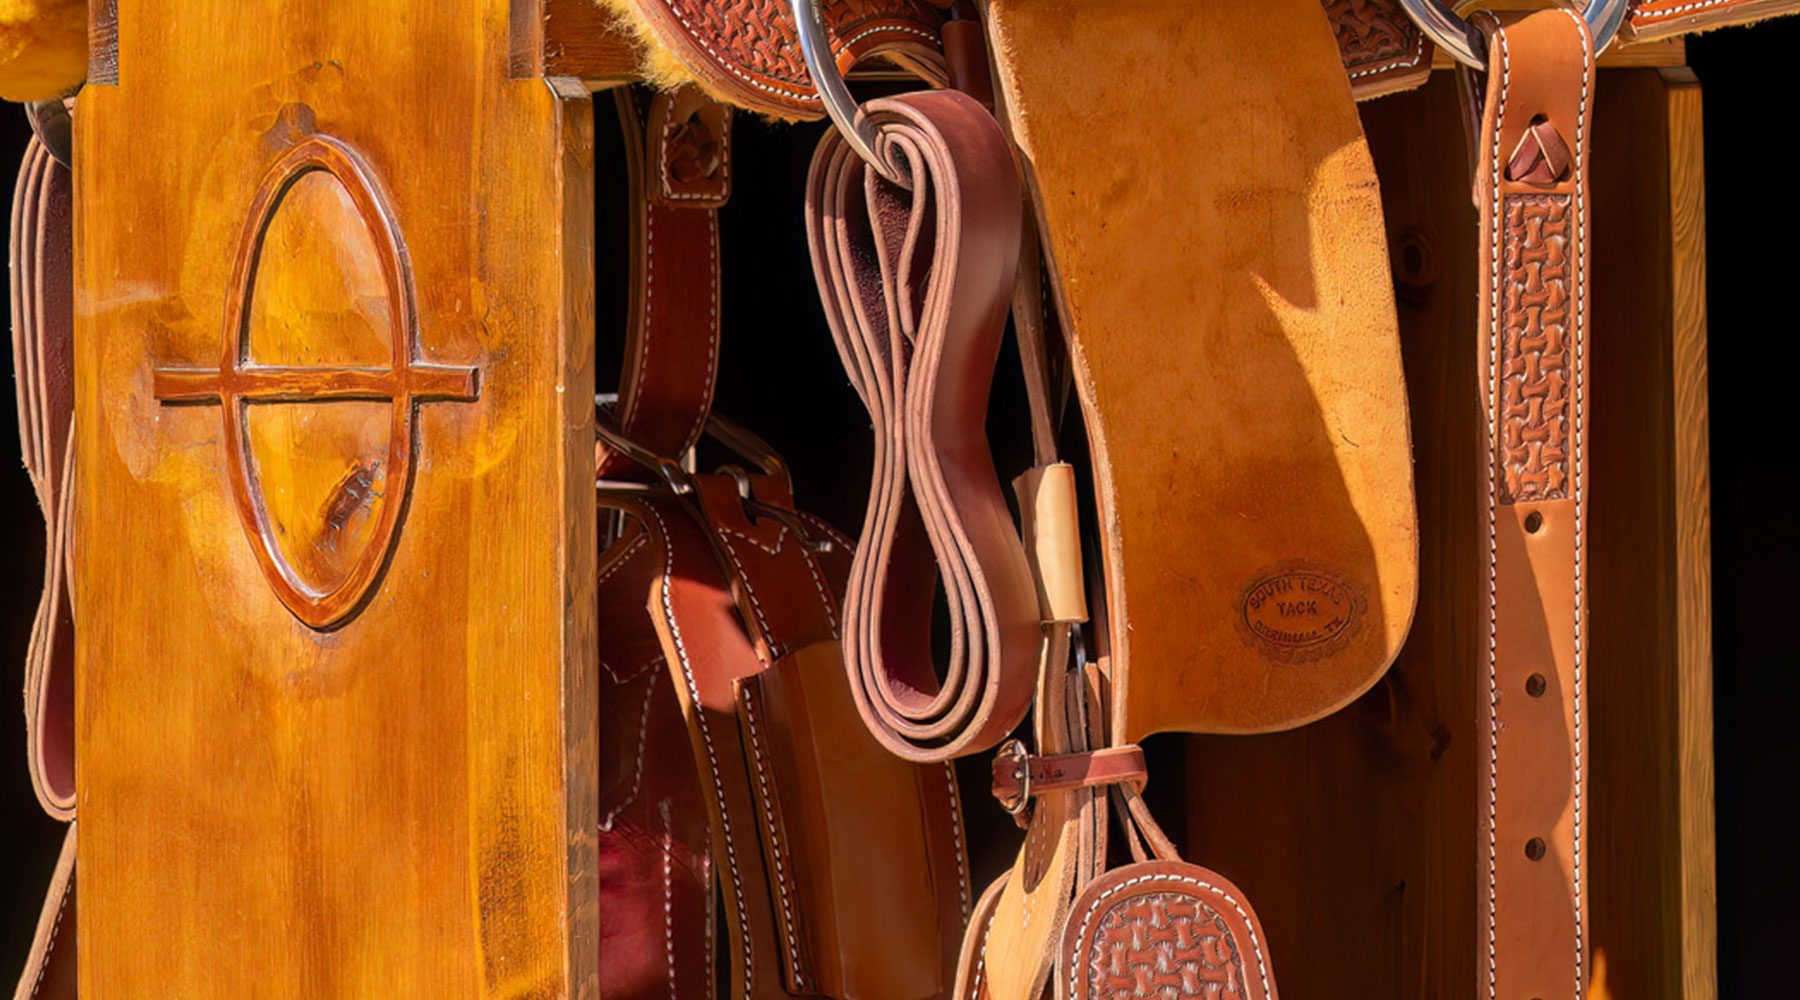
1531 188
43 360
916 284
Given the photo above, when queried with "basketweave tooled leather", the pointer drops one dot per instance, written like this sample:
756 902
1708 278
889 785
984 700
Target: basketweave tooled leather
1531 188
43 346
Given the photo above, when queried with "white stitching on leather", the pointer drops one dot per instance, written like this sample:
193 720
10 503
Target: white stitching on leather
1262 968
956 827
637 769
1580 456
662 162
1408 61
771 808
805 95
668 873
632 548
50 943
712 327
712 760
1682 9
1493 733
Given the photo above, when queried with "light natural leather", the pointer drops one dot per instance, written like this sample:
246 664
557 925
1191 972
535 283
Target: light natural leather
1531 189
1235 349
916 285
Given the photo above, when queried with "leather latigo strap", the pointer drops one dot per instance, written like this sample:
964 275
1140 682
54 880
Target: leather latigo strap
1531 187
43 349
916 285
1667 18
678 160
43 358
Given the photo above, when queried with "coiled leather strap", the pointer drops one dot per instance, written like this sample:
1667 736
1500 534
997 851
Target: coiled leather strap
916 285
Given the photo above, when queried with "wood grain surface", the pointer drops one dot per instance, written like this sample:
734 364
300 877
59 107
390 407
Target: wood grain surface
1356 836
395 798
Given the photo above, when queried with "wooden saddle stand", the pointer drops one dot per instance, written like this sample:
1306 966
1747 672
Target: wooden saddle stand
467 731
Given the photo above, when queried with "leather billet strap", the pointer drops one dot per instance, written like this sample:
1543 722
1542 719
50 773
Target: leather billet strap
916 285
678 160
1531 188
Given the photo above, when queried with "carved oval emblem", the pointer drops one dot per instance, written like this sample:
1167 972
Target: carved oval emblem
320 311
1299 611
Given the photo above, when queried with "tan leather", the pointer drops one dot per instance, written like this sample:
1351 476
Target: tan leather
1235 349
1531 189
916 286
1666 18
1051 524
49 972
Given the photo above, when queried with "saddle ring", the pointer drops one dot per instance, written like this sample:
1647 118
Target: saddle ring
834 93
1457 37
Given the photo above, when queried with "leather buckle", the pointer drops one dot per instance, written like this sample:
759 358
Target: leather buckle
1016 803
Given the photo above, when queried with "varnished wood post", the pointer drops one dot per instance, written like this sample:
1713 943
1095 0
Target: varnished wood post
335 668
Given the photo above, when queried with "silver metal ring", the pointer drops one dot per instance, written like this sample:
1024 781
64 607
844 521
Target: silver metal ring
834 93
1457 37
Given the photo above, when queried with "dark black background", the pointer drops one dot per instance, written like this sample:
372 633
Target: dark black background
1750 90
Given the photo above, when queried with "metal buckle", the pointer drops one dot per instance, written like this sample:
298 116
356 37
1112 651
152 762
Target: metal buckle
1458 37
1019 806
859 133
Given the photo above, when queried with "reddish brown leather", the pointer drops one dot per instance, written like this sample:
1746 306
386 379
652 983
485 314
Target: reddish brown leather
1163 928
1383 49
916 286
43 346
826 846
745 52
655 845
1665 18
678 159
1531 187
1058 772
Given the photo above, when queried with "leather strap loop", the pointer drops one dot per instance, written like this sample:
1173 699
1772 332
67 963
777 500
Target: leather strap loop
1019 776
916 286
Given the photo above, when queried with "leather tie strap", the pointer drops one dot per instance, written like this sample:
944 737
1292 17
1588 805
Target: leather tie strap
1018 776
1531 187
916 286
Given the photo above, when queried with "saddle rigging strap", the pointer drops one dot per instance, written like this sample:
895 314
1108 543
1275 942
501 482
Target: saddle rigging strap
719 608
1531 188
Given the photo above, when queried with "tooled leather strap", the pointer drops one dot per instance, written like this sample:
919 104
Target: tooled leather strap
916 285
1531 187
43 349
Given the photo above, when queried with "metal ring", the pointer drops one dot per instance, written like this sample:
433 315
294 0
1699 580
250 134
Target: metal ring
1457 37
815 45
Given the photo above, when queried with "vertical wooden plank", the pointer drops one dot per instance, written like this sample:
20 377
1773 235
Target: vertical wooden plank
395 798
1354 836
1693 539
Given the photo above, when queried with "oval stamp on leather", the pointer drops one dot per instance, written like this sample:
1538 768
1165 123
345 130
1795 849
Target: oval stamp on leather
1298 611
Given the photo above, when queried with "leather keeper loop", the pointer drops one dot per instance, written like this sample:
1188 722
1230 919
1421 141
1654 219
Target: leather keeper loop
1020 776
1053 541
